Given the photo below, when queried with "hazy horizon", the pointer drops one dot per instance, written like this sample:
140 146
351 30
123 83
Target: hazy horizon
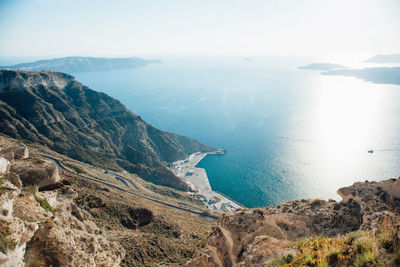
55 28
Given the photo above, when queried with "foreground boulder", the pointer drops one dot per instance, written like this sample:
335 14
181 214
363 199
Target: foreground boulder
4 165
36 171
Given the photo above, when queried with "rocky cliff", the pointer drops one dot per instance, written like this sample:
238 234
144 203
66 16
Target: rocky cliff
56 110
45 228
361 230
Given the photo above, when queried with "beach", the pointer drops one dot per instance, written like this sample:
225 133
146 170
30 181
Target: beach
198 181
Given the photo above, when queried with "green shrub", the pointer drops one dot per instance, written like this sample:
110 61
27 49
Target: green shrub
44 204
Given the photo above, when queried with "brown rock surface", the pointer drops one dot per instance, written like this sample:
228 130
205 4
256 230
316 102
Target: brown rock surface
36 171
48 228
256 237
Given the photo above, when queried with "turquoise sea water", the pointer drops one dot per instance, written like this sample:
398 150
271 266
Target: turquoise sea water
289 133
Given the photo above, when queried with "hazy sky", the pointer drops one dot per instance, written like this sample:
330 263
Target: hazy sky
157 27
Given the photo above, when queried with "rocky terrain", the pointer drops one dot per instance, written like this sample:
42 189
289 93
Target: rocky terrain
45 228
61 212
56 211
55 110
81 184
278 235
81 64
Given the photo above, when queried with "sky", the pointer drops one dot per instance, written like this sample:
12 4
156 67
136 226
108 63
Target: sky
51 28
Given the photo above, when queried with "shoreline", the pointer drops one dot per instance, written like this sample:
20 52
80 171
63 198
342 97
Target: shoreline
197 180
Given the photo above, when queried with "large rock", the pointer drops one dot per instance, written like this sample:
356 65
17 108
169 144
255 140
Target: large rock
33 236
14 179
71 239
35 171
21 152
4 165
15 152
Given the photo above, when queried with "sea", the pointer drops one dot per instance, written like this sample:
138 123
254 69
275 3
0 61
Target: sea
289 133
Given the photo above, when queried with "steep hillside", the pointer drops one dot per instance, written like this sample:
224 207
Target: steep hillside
68 117
45 228
81 64
56 211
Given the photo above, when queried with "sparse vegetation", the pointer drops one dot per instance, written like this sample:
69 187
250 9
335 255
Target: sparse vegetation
6 243
44 204
74 168
359 248
29 190
2 188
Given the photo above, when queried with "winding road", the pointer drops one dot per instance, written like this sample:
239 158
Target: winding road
126 181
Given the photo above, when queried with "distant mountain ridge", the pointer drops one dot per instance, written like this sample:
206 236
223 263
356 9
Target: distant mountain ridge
81 64
322 66
381 75
393 58
58 111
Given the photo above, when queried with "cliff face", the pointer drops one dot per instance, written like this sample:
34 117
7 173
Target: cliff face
56 110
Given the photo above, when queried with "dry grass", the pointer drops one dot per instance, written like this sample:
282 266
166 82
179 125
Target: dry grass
360 248
6 243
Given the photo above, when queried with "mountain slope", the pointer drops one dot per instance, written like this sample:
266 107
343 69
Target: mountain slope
56 110
81 64
56 211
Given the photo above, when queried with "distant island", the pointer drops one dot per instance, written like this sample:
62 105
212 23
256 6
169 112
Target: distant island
81 64
322 66
393 58
382 75
247 59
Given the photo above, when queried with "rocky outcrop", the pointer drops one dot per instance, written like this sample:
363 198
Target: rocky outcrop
68 117
36 171
4 165
47 228
15 152
253 237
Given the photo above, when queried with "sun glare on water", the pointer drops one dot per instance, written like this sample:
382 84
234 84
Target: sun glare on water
345 120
